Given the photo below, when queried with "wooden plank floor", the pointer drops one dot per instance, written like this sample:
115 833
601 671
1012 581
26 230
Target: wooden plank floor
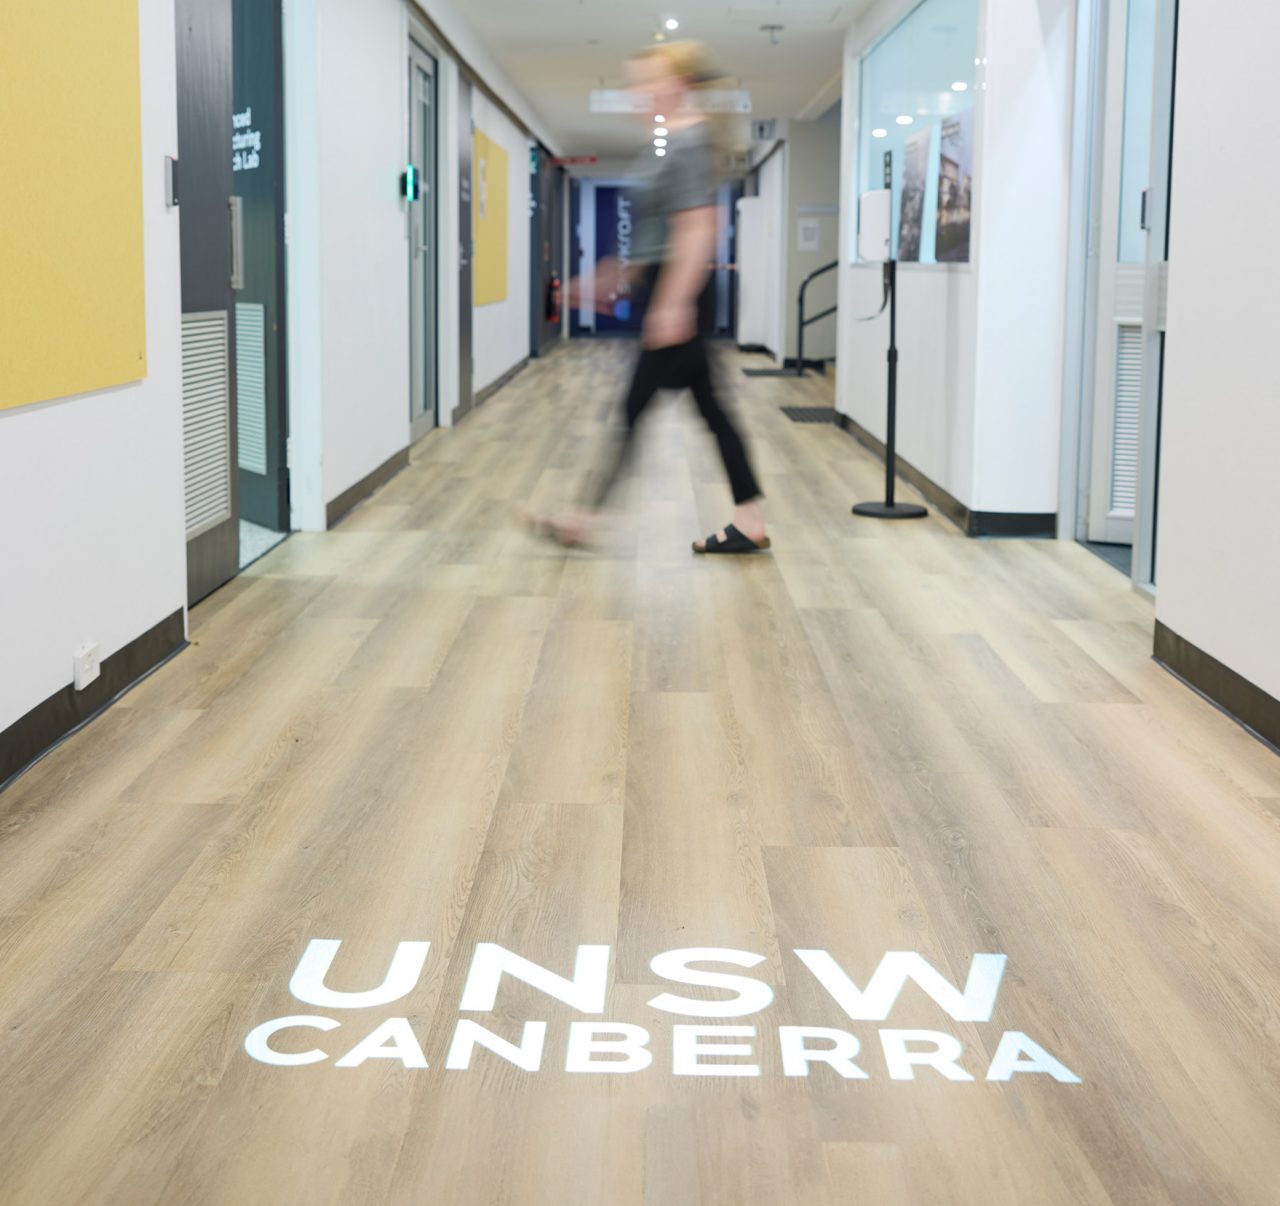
426 726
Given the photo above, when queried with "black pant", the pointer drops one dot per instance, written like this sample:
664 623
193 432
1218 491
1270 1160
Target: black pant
686 366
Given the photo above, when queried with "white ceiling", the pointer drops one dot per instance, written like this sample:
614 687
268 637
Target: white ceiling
557 51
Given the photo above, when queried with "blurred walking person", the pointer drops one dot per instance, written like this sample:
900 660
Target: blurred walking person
673 251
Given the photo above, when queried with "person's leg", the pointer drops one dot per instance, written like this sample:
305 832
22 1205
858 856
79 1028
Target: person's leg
747 516
645 382
573 526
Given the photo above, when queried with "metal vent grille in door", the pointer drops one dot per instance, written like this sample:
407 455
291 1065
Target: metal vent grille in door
1124 430
251 387
206 420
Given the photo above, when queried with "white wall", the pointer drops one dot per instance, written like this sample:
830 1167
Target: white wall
1218 543
981 344
364 260
1023 188
91 496
500 330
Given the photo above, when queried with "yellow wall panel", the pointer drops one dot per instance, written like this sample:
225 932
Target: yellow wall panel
489 190
72 310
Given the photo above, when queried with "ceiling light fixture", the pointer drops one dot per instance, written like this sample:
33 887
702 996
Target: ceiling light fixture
660 151
880 133
659 131
672 23
657 121
959 86
904 119
659 142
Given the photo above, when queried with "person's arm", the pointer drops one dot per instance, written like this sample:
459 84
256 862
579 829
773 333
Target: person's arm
672 317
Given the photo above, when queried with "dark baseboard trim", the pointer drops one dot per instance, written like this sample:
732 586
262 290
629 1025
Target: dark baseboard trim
483 395
1026 525
1023 525
32 735
1245 702
754 349
353 495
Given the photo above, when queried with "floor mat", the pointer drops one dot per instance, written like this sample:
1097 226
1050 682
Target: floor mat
810 414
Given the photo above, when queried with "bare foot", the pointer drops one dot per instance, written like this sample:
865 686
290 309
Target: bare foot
569 529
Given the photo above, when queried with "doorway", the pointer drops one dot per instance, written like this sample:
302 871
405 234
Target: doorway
1116 474
257 165
423 210
546 250
211 224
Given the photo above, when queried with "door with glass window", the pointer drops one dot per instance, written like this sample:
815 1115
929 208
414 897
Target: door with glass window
423 226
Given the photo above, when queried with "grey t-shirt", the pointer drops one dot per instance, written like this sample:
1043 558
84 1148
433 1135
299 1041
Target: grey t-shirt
684 178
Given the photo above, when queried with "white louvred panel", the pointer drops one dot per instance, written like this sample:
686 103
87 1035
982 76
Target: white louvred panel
1124 429
206 420
251 387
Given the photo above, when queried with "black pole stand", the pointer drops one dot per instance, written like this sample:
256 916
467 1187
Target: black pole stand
889 509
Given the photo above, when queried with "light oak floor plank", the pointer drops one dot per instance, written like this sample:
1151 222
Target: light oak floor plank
429 726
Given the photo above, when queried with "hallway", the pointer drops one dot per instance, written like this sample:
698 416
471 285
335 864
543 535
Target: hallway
426 726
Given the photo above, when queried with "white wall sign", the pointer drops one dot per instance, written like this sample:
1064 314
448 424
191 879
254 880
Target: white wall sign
605 1046
711 100
246 142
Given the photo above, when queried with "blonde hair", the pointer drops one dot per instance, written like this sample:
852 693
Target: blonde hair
690 61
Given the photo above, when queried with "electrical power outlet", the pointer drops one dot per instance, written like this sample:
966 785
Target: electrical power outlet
87 665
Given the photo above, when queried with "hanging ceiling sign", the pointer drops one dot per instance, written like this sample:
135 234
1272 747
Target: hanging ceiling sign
712 100
603 1044
570 160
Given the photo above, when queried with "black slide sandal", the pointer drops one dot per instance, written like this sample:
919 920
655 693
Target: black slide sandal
734 542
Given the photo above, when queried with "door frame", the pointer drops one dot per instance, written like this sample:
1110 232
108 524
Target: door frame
1094 23
424 355
211 246
1155 296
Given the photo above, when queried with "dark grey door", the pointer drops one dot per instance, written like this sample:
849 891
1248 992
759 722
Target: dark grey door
207 215
466 363
546 242
257 161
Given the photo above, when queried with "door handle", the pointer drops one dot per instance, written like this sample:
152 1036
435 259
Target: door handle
235 206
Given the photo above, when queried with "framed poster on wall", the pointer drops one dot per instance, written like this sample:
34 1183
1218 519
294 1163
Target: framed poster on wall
489 220
915 172
72 307
955 188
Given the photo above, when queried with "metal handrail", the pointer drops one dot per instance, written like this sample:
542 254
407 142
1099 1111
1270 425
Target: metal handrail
805 322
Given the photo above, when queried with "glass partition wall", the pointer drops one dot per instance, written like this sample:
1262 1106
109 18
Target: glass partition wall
917 100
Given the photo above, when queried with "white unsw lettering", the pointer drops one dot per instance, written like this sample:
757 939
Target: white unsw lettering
585 992
874 1003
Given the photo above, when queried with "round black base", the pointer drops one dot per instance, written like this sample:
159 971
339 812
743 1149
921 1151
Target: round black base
879 510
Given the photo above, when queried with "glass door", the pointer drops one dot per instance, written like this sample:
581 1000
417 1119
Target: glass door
423 304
